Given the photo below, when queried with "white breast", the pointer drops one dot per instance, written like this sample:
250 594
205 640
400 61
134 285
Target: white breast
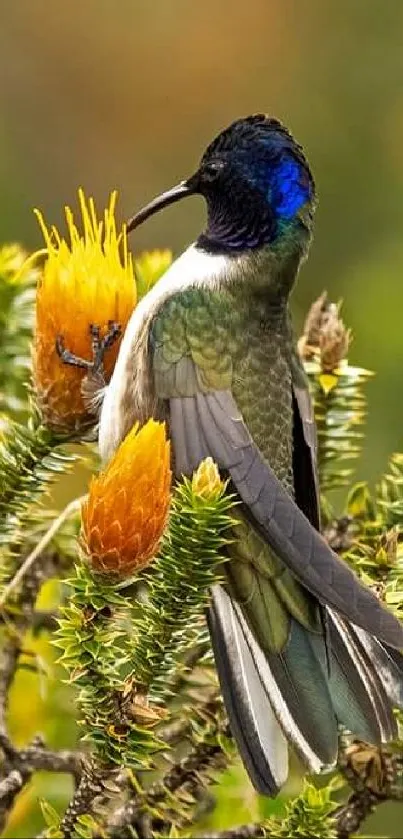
193 267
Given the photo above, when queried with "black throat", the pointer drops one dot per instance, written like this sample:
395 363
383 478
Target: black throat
237 223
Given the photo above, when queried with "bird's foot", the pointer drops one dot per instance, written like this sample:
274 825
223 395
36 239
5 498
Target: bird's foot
99 347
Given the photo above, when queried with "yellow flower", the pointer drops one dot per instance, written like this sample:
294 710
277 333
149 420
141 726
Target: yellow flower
149 267
86 280
206 481
125 514
13 261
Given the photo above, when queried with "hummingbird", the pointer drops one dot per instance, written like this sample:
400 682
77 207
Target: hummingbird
302 647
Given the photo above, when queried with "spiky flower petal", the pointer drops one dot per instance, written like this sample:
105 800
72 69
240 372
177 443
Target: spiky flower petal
86 280
125 514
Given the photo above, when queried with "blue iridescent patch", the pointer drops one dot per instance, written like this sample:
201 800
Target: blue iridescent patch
289 187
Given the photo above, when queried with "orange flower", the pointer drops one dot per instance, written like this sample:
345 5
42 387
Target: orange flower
88 280
125 514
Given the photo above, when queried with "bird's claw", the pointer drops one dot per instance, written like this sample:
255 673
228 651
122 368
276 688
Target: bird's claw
99 347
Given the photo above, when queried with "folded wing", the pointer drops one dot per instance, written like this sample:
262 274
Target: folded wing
210 424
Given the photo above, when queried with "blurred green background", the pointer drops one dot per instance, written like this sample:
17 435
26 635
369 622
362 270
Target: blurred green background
127 94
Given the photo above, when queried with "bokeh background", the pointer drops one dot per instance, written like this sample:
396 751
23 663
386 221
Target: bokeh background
105 94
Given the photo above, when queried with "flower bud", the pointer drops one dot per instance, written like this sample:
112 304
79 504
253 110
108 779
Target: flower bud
206 481
126 511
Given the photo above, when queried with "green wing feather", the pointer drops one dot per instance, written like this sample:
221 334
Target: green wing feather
195 350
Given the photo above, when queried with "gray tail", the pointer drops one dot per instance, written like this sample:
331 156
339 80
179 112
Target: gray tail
303 694
388 663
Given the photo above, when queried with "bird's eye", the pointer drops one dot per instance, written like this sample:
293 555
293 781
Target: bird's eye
212 170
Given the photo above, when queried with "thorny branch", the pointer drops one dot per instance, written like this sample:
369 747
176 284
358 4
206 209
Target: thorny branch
16 625
12 784
374 774
93 781
39 758
184 778
18 765
244 831
351 816
92 788
149 811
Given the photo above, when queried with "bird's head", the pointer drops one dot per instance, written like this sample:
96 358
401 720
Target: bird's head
257 185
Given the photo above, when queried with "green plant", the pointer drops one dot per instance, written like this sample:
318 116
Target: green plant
133 649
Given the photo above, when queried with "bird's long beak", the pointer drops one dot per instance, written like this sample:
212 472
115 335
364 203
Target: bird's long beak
170 197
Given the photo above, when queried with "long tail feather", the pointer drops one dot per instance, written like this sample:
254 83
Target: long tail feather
303 693
255 685
360 700
388 663
260 740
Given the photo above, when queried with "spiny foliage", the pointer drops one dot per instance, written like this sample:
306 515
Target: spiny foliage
121 658
16 321
390 493
373 534
93 634
306 816
30 459
373 519
31 456
185 570
337 392
340 408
